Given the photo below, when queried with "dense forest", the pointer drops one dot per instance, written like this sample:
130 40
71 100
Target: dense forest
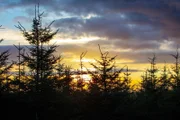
47 91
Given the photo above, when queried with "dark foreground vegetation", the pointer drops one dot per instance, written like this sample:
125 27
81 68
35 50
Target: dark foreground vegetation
39 94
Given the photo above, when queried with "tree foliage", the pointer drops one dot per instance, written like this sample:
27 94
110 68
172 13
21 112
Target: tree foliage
106 77
5 67
40 58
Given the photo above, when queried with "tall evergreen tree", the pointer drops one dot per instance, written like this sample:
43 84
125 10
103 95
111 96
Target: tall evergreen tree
20 62
80 80
5 67
175 75
18 81
59 67
40 60
106 78
66 81
165 80
126 79
150 81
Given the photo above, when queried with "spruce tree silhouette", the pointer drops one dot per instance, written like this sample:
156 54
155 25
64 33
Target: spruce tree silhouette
149 83
18 80
80 80
165 80
105 77
40 60
5 67
175 75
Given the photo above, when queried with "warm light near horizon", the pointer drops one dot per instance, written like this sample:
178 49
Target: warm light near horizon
80 40
86 60
84 77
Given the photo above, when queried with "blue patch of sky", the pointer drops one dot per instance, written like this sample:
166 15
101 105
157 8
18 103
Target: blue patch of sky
4 3
7 17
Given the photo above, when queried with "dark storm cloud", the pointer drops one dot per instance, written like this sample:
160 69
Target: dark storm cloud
121 28
132 45
70 26
158 18
135 24
121 32
136 45
113 27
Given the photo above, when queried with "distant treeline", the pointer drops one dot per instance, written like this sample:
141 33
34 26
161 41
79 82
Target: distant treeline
39 94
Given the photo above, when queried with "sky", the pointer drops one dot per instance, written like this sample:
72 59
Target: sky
133 30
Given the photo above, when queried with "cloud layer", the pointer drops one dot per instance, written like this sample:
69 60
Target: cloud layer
133 29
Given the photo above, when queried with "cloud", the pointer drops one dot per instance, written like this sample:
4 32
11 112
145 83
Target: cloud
132 29
23 19
11 36
110 27
139 18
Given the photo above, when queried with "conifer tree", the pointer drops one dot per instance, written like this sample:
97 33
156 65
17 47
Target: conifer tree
5 67
106 78
165 80
59 67
67 80
40 58
40 61
175 75
80 80
150 81
18 81
19 48
126 80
